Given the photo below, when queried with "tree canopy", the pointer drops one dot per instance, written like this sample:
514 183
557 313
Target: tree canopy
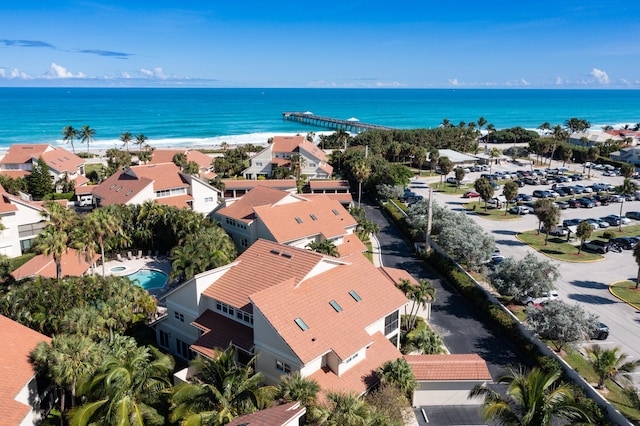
526 277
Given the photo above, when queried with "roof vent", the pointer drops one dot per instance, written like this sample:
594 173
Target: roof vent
274 251
287 255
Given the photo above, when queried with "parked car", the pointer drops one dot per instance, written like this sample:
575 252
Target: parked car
625 243
620 219
576 177
495 260
531 181
470 194
520 210
599 246
601 332
519 182
586 203
523 197
574 203
570 222
563 205
612 221
544 298
633 215
541 193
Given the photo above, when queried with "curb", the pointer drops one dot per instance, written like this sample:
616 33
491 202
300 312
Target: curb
610 287
556 258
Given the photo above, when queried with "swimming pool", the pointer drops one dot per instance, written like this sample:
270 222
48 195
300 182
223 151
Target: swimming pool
148 279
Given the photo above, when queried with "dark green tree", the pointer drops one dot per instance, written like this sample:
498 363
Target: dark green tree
40 182
484 188
510 192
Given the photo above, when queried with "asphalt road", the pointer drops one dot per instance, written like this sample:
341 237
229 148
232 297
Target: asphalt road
459 323
583 283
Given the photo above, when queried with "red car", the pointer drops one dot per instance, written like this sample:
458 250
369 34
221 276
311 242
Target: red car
470 194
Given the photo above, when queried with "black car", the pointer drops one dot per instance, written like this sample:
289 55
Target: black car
576 177
626 243
519 182
523 197
633 215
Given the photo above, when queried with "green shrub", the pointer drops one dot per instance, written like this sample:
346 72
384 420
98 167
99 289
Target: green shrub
609 234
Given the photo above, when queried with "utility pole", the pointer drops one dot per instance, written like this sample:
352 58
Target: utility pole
427 242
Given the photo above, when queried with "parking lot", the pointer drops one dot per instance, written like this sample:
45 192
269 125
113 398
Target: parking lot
580 282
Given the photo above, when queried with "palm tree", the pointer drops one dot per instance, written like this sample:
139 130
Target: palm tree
66 360
125 389
126 137
510 192
86 135
344 410
532 399
203 250
140 141
398 373
103 225
361 171
53 241
298 162
420 295
297 388
493 154
559 134
219 391
366 229
610 364
327 247
69 134
434 156
426 341
628 187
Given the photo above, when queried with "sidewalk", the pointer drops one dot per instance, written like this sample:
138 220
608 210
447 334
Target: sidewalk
376 253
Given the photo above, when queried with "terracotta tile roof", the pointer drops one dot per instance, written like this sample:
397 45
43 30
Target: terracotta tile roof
280 415
327 168
166 156
329 184
286 143
164 176
361 376
23 153
61 160
219 330
44 266
344 198
15 369
179 201
80 180
281 162
119 188
395 275
309 300
6 205
261 266
314 150
236 184
292 221
351 245
468 367
15 174
243 209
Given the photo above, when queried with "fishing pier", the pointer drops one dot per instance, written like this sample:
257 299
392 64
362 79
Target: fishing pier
352 125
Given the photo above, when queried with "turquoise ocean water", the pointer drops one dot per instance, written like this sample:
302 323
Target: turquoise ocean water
207 117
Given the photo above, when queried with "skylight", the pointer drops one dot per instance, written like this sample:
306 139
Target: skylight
313 217
355 295
303 326
129 192
298 220
335 306
119 189
335 212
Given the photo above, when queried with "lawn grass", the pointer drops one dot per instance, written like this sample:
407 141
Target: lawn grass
447 188
557 247
90 167
626 290
491 212
369 253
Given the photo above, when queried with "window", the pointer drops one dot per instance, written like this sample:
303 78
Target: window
303 326
208 199
335 306
355 295
234 313
178 316
283 366
258 164
164 339
244 242
391 323
183 349
351 358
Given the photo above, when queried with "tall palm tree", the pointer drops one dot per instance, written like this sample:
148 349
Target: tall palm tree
207 249
297 388
140 141
325 247
493 154
628 187
344 410
434 156
610 363
86 135
125 138
54 242
103 225
220 391
420 295
532 399
426 341
69 134
559 135
398 373
361 171
125 390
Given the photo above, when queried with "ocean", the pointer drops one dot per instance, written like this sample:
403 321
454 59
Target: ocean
208 117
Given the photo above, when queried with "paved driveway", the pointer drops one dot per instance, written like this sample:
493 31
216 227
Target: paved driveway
461 326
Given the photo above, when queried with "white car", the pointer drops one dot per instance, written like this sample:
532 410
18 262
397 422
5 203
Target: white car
528 300
520 210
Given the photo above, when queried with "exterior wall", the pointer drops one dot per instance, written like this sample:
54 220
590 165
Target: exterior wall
312 366
144 195
263 157
352 360
239 235
303 242
379 326
321 267
270 347
10 237
444 393
332 361
202 192
30 390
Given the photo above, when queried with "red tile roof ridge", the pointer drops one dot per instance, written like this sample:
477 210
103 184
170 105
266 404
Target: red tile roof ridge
447 367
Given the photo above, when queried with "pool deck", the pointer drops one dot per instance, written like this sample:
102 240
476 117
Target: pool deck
133 265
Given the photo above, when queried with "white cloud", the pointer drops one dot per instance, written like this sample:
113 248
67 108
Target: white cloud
600 76
154 73
559 81
58 71
454 82
16 73
125 74
524 82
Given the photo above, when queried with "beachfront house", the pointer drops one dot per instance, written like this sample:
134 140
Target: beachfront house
332 320
25 399
21 221
162 183
236 188
629 155
19 160
593 138
293 219
310 159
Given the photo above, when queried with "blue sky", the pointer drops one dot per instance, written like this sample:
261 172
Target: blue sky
342 44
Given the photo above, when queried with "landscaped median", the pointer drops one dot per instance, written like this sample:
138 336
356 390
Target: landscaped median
627 291
491 212
557 247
